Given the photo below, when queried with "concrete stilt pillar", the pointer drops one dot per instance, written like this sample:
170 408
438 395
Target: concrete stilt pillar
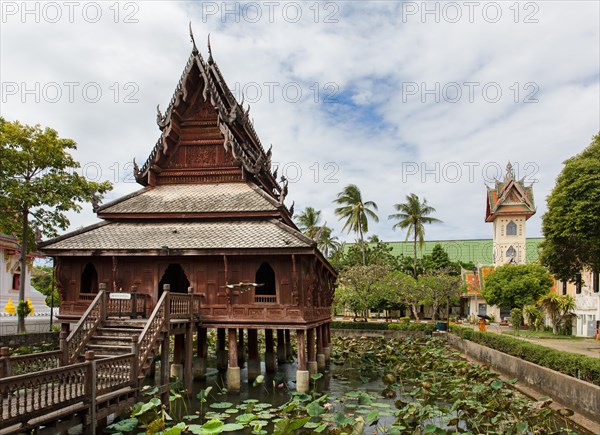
269 354
312 360
253 355
221 351
177 366
199 367
320 354
280 347
288 346
188 377
233 370
302 375
241 349
326 344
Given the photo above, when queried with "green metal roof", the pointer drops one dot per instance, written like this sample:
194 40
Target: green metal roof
476 250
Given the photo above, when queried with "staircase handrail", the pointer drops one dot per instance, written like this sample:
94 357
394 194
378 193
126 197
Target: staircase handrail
86 327
154 327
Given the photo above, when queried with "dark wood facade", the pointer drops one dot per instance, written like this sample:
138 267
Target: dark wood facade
210 215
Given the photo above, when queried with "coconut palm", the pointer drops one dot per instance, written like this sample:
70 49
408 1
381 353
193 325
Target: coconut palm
356 212
309 222
412 216
326 243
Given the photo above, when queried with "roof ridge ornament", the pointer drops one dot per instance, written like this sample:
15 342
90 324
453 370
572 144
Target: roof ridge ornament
210 58
194 48
510 173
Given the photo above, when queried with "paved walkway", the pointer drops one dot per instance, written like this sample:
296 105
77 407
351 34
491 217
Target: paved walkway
583 346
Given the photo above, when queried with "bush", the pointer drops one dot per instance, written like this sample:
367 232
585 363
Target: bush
579 366
358 325
428 328
516 317
404 319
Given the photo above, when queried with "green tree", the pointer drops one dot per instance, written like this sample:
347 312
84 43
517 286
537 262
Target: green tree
440 289
558 309
571 226
42 279
309 222
327 243
356 212
516 285
412 216
406 290
38 185
360 288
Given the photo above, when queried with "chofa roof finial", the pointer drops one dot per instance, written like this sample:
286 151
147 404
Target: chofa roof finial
194 48
510 173
210 58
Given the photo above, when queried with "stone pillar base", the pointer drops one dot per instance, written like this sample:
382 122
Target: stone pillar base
177 371
321 361
157 371
312 367
327 353
199 368
269 362
233 379
302 381
253 369
222 360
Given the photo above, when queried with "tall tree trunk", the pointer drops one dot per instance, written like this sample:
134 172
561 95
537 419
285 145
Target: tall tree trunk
362 245
414 310
23 260
415 255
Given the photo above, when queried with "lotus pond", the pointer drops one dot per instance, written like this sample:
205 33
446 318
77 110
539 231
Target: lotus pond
373 385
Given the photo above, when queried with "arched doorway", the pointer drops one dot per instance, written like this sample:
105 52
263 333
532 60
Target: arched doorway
265 275
176 278
89 279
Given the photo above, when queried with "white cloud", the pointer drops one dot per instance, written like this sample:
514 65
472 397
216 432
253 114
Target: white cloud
370 54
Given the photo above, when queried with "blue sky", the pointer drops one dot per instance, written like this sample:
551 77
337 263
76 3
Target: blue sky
397 97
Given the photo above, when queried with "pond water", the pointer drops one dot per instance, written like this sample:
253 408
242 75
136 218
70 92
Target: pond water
372 386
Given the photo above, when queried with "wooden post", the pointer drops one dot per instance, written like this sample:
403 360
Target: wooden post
269 354
90 386
134 312
326 344
5 370
288 345
241 350
134 366
233 370
280 347
221 352
253 356
64 350
188 378
201 354
164 369
320 353
178 350
102 288
302 375
312 360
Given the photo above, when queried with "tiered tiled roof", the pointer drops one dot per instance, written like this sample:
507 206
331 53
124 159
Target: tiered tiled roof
509 197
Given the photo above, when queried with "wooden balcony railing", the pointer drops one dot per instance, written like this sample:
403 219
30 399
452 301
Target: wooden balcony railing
131 305
156 324
265 299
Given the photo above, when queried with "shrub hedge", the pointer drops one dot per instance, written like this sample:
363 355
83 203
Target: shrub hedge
579 366
428 328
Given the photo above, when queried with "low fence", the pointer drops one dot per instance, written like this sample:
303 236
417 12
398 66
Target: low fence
29 339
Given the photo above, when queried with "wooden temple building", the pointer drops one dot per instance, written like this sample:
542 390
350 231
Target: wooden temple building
206 243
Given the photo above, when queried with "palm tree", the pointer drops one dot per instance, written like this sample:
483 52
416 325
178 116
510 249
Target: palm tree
356 212
412 216
308 222
558 308
326 243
